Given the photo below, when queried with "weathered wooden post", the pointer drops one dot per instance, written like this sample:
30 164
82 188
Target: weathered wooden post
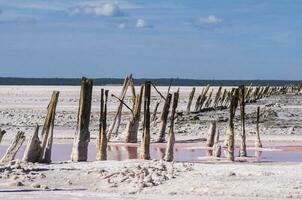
211 134
145 148
33 148
217 146
2 132
169 156
133 124
231 134
164 118
258 141
155 111
243 152
102 138
117 117
47 131
82 134
190 100
14 147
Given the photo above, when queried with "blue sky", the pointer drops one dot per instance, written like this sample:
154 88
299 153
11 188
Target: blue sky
208 39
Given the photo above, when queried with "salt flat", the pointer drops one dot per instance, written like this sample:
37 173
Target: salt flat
21 107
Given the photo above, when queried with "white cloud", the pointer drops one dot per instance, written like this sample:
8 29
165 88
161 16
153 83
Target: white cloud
211 19
141 23
107 9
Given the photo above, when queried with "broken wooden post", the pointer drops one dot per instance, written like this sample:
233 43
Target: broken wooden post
102 138
133 124
231 134
13 148
2 132
33 148
169 155
82 134
190 100
211 134
145 148
117 117
155 111
258 143
47 131
164 119
243 152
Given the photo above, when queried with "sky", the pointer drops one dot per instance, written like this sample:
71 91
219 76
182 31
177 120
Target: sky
198 39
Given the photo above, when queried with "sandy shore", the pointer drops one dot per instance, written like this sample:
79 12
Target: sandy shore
277 175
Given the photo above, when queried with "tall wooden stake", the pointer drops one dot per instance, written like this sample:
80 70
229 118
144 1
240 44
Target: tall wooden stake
82 134
243 152
190 100
169 156
145 149
231 134
164 119
47 131
102 138
133 124
258 141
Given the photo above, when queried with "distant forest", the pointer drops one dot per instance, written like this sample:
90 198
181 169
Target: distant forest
159 82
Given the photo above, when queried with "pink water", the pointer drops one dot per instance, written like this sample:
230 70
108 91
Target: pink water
192 152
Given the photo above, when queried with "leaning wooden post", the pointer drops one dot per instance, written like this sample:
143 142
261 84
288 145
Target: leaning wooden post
231 134
2 132
145 148
155 111
14 147
190 100
217 146
164 119
117 117
102 138
47 131
243 152
82 134
211 134
133 124
258 141
169 156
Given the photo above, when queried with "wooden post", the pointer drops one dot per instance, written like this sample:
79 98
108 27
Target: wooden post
117 117
243 152
33 148
211 134
155 111
217 97
82 134
164 118
217 147
258 141
169 156
145 149
190 100
2 132
102 138
231 134
47 131
133 124
13 148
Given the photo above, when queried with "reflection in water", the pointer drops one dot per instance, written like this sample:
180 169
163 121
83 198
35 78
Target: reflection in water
183 152
258 156
210 152
132 152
